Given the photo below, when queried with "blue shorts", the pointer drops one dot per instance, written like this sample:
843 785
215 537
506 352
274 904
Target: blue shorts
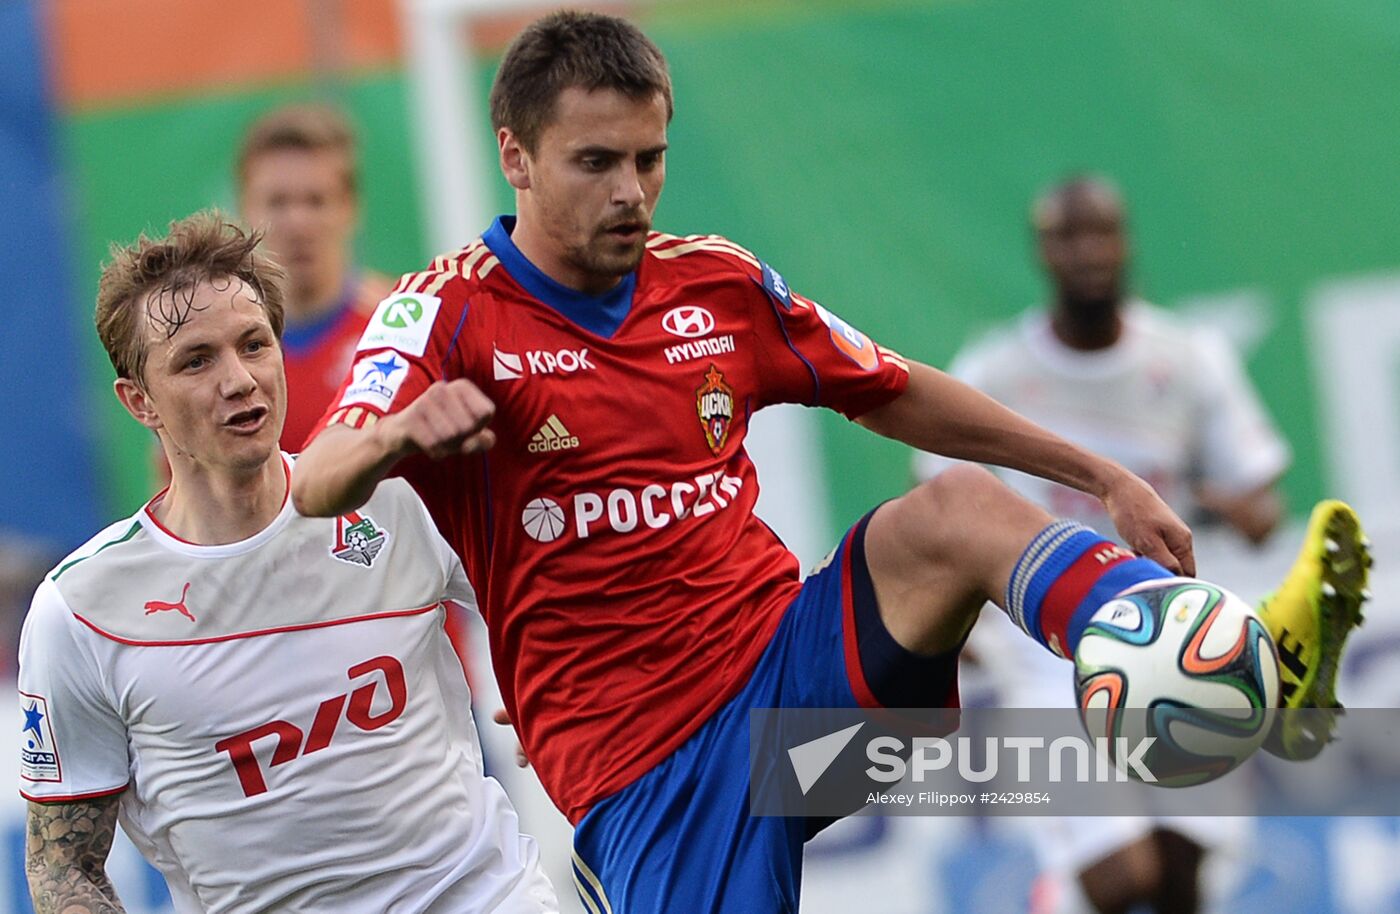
680 837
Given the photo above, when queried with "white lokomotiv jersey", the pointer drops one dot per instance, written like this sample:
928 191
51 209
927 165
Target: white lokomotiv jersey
1169 401
284 717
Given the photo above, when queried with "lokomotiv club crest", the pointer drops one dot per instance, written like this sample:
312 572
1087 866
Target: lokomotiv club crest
714 403
357 539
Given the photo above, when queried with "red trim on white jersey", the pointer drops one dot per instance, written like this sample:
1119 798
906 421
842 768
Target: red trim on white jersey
72 798
303 626
151 515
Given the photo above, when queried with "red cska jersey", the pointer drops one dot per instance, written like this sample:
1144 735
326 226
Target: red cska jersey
317 354
627 586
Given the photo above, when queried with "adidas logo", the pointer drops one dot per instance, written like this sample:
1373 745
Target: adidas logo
552 436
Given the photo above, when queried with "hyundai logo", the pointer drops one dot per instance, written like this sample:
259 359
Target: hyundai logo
688 321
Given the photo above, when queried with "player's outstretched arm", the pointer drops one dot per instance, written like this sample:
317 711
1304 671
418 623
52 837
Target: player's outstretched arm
941 414
66 852
340 469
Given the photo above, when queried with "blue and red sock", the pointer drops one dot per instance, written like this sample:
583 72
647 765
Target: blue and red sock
1066 573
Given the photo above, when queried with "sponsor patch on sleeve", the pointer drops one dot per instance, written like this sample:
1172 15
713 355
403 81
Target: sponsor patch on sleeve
403 321
376 379
849 341
38 751
776 287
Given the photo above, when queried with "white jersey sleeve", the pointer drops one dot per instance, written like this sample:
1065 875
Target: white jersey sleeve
457 588
1242 448
74 743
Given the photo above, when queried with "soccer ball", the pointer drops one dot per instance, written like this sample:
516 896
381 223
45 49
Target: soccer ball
1185 662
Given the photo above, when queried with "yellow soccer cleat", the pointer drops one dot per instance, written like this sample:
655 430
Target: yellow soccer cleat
1309 617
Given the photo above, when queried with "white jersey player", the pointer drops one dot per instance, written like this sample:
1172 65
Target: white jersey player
268 702
1169 401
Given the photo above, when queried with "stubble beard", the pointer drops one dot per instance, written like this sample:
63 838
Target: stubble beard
604 259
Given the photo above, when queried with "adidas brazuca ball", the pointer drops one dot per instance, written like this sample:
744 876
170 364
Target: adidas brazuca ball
1185 662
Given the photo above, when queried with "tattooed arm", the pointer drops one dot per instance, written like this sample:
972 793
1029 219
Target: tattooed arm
66 854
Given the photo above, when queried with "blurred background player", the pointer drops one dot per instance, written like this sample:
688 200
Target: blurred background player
298 183
1172 403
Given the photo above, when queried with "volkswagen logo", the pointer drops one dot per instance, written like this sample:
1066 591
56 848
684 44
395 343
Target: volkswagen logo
688 321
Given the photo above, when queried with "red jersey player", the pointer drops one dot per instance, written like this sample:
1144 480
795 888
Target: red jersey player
297 183
637 607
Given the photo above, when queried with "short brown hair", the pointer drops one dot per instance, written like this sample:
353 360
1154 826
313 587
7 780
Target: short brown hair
309 127
156 277
572 49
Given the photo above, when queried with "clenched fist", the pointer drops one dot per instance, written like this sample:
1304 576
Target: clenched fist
450 417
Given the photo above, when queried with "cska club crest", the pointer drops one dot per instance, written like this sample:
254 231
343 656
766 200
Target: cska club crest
357 539
714 403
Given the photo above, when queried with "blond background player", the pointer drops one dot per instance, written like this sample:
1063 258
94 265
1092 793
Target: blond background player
298 183
297 177
267 702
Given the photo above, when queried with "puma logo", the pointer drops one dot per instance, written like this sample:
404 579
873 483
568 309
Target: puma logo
156 606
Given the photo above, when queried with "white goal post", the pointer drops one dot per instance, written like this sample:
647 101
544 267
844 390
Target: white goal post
447 117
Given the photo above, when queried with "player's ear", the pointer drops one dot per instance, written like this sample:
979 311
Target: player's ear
515 161
137 402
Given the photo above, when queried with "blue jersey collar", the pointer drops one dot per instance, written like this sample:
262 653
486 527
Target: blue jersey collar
301 336
600 315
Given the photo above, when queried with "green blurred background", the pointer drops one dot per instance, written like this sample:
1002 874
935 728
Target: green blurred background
882 156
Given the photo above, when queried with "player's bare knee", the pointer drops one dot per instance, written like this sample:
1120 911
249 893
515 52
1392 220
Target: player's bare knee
968 485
